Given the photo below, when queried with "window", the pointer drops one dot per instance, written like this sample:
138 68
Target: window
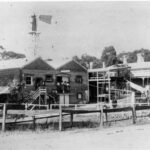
49 78
78 79
79 95
28 80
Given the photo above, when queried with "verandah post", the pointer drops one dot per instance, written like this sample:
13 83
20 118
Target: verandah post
4 118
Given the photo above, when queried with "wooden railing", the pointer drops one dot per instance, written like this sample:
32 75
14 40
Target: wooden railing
35 95
79 109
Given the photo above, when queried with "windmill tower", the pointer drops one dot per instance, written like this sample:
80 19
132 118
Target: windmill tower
34 32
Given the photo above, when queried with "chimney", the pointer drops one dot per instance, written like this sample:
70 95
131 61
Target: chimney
140 58
91 65
103 64
124 59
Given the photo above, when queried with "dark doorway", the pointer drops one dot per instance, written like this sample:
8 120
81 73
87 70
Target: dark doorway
38 82
93 92
59 79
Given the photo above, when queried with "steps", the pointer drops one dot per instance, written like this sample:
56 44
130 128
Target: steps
36 95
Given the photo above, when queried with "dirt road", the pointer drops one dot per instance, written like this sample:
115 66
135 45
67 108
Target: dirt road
135 137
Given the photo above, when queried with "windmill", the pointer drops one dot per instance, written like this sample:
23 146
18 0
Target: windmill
34 32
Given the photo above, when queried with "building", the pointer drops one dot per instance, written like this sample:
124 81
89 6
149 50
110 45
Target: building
68 81
140 71
26 75
72 81
107 84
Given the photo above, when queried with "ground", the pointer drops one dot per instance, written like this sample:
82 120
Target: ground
85 134
133 137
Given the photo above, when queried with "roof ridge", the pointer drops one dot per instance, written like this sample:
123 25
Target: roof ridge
39 57
63 65
80 65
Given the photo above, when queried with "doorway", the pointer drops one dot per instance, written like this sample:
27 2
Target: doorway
38 82
63 83
93 92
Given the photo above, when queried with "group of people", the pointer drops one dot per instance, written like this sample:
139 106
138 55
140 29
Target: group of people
63 87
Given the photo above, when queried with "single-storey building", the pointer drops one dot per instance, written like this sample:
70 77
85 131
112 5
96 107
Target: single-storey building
26 75
72 80
69 79
140 70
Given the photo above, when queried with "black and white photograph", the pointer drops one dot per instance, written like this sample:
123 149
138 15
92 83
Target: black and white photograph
74 75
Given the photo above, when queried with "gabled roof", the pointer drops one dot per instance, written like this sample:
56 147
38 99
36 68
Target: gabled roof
73 66
56 63
38 64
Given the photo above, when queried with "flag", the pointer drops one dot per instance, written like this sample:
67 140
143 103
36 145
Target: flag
45 18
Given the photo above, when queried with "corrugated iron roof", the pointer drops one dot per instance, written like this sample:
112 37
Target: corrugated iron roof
12 63
18 63
141 65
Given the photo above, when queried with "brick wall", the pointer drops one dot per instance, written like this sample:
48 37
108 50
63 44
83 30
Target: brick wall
39 74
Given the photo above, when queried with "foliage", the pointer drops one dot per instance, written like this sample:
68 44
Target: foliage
125 73
132 56
11 55
109 56
85 60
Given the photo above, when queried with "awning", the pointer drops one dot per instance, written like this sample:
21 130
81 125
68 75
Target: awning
63 74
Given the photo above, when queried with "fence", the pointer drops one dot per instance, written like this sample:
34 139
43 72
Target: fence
101 108
77 109
30 118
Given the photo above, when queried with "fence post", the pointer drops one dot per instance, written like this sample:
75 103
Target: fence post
133 107
47 107
4 118
60 117
26 106
98 108
134 114
75 106
34 123
51 106
106 117
101 116
71 119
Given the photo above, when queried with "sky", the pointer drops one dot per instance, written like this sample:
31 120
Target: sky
77 27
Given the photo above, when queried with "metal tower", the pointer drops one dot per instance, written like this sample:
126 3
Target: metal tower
34 33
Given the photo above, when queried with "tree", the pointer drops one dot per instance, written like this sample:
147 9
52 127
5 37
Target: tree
132 56
85 60
109 56
11 55
4 54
